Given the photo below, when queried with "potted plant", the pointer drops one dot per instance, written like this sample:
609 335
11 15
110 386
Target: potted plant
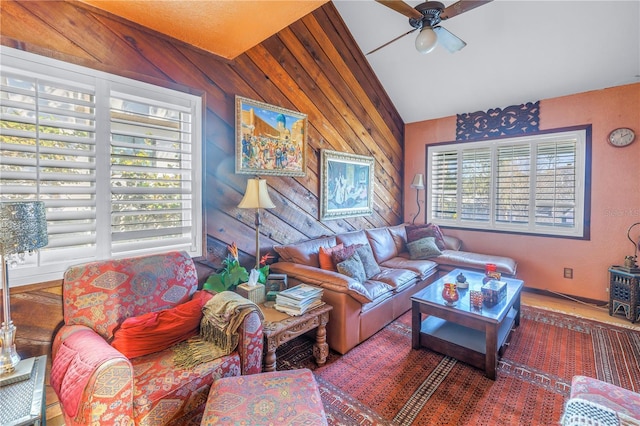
233 273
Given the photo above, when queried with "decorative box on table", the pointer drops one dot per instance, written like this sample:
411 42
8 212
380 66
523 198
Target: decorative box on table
254 293
493 292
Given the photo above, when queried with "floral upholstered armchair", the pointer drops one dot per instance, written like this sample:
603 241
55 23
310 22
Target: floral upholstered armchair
99 382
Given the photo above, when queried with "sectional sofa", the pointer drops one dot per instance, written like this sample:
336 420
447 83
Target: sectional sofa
361 307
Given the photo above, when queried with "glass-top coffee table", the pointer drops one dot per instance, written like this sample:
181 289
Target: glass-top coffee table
474 336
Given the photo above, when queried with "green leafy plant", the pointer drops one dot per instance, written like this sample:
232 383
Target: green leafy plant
233 273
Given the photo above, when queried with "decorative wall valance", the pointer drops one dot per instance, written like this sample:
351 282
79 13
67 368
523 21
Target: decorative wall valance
512 120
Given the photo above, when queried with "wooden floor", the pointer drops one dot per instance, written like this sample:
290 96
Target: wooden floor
551 302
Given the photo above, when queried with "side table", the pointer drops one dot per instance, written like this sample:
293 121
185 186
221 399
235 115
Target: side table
624 293
22 403
279 328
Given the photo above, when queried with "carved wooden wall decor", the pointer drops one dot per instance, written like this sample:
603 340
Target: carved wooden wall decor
512 120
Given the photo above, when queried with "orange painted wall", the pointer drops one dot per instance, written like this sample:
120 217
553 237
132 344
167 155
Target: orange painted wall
615 194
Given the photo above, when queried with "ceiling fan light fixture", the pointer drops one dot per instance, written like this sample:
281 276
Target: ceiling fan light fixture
426 40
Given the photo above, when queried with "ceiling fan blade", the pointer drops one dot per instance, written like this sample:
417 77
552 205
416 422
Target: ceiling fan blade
448 40
401 7
389 42
461 6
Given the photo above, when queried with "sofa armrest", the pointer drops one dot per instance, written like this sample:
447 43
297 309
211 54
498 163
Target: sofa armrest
93 381
250 344
323 278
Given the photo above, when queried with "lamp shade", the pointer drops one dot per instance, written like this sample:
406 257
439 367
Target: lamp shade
256 196
23 227
426 40
418 181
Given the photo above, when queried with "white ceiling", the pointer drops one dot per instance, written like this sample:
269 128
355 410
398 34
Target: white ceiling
517 51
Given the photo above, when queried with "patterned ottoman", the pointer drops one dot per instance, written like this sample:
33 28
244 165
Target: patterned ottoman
594 402
275 398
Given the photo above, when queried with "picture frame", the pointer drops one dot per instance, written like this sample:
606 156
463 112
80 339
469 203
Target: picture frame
270 140
346 185
276 282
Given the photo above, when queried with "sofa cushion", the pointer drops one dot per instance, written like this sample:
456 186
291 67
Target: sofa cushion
326 259
305 252
396 278
382 243
399 235
452 243
415 232
352 267
350 238
424 248
343 254
423 268
371 268
464 259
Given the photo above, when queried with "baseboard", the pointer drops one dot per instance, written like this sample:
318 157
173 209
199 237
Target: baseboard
595 302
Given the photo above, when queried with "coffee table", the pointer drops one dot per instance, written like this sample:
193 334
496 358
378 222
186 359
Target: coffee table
279 328
474 336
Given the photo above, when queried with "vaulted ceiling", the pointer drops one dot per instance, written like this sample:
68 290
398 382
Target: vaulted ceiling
517 50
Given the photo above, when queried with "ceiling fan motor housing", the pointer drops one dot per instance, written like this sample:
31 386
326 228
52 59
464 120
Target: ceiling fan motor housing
430 11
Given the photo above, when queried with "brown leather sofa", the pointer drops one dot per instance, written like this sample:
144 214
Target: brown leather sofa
360 309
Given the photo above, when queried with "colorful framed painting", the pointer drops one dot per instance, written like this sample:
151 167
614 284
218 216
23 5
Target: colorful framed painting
269 140
346 185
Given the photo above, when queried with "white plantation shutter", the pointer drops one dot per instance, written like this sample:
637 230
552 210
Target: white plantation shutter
117 162
530 184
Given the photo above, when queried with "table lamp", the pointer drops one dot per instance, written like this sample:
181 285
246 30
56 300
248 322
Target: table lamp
256 197
23 229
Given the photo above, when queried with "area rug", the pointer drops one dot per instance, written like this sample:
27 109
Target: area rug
384 382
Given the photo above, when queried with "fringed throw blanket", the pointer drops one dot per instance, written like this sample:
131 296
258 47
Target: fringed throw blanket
222 315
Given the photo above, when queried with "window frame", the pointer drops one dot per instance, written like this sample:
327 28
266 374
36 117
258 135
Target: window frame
45 265
583 155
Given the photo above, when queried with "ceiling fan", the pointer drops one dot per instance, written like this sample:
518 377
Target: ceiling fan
426 17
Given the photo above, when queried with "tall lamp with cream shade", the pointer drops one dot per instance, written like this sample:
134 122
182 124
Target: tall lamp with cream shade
256 197
23 229
417 184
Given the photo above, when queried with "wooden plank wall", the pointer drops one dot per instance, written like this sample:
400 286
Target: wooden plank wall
312 66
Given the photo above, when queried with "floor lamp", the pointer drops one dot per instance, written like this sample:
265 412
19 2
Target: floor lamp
23 229
256 197
418 184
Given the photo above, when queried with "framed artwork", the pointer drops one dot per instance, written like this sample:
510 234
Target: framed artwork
346 185
269 140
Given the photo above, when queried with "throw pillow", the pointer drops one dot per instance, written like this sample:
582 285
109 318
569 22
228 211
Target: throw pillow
423 248
371 267
325 257
343 254
156 331
416 232
352 267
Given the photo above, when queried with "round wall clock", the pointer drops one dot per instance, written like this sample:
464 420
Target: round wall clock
621 137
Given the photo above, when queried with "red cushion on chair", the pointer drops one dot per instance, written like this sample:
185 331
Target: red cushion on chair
325 259
156 331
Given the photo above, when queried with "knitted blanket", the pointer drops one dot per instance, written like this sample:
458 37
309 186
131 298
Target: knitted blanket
222 315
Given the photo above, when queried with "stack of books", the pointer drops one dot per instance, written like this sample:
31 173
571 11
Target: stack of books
299 299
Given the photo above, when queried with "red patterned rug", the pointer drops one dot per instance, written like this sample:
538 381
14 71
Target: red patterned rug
385 382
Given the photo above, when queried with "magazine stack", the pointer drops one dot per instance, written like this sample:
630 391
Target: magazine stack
299 299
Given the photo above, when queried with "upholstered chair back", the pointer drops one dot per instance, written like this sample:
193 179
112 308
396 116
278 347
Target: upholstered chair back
102 294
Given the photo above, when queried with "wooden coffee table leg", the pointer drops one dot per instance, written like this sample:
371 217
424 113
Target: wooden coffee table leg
270 356
321 348
491 351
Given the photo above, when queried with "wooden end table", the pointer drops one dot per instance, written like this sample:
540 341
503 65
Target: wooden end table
279 328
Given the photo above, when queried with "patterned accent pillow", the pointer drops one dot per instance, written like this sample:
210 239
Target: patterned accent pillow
352 267
416 232
424 248
371 267
325 257
342 255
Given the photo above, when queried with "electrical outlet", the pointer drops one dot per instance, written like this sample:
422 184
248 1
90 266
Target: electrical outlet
568 273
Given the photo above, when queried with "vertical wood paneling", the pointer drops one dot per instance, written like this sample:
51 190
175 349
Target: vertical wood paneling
313 66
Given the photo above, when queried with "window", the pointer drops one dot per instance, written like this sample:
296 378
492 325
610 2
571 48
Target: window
117 162
535 184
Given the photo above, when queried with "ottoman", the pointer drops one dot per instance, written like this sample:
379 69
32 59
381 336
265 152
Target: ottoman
274 398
